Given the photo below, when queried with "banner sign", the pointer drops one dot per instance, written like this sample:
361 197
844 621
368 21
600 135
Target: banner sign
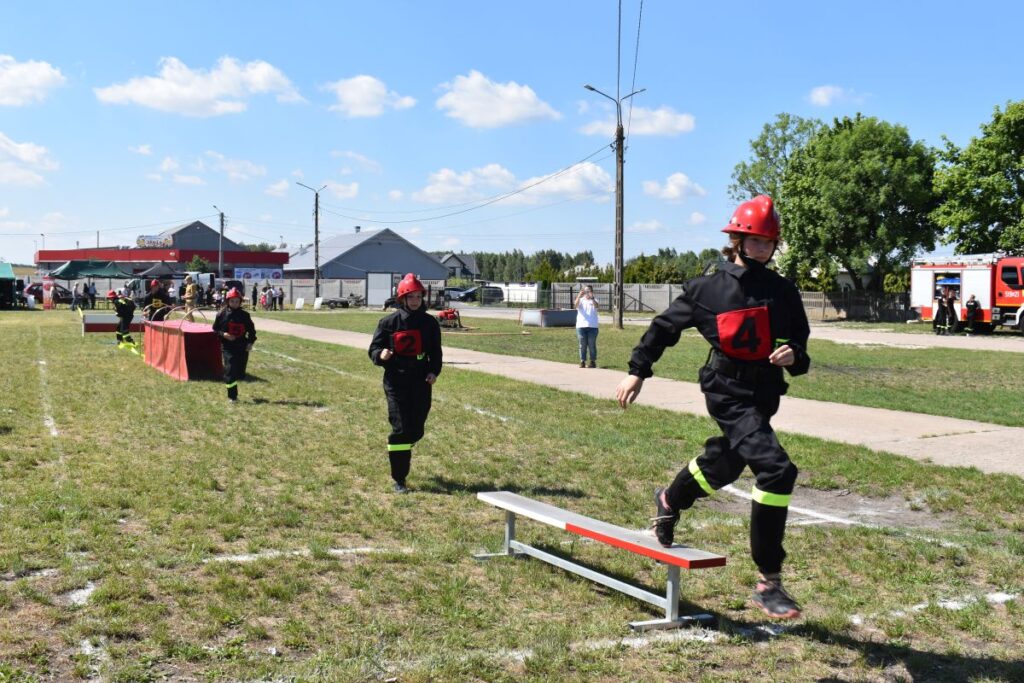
144 241
258 274
47 292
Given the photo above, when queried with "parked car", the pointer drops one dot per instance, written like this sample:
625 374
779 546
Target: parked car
453 293
61 294
483 294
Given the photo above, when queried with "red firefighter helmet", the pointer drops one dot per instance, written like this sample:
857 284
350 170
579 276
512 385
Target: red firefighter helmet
233 293
154 283
409 284
755 217
111 294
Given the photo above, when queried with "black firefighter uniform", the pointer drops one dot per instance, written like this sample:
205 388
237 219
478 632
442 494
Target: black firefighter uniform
744 313
415 339
124 307
238 323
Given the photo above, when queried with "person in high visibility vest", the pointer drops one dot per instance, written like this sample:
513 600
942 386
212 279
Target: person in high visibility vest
237 333
124 307
407 344
754 320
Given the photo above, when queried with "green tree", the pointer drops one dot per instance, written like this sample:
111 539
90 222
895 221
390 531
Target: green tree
982 187
771 152
544 274
858 194
198 263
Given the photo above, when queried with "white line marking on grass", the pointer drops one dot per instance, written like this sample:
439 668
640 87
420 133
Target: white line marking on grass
485 413
827 518
952 604
44 398
306 362
270 554
81 595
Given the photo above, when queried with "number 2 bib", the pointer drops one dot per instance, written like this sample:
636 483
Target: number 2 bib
407 342
745 334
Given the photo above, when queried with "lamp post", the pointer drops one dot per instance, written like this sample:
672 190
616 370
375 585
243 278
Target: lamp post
316 238
618 298
44 239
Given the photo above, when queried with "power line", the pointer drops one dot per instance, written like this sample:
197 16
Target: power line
636 58
494 200
182 221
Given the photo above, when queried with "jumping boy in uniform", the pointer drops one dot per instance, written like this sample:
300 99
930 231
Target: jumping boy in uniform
237 333
754 320
124 307
407 344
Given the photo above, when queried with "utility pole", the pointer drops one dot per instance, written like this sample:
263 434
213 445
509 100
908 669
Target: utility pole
316 238
618 295
97 239
220 245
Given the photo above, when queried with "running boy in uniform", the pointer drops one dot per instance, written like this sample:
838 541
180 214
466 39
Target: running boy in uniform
233 325
407 344
754 320
124 307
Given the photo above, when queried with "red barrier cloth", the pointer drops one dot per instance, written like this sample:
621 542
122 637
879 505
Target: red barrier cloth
183 350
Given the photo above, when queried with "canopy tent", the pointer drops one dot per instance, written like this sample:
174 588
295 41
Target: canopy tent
162 269
6 271
75 270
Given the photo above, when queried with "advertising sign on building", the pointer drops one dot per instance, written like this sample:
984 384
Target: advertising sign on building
258 274
153 241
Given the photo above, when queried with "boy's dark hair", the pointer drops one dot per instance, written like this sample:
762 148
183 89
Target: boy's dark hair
730 250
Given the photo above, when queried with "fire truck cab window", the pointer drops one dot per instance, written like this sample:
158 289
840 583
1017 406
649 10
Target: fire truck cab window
1010 276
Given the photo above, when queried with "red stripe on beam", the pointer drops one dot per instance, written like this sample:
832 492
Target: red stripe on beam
647 552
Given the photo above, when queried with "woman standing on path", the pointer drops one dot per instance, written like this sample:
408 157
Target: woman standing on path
586 325
755 322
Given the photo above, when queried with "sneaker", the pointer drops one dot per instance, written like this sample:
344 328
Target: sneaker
583 364
775 601
664 524
592 364
400 487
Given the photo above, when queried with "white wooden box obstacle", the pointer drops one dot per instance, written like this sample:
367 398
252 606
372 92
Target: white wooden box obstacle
674 558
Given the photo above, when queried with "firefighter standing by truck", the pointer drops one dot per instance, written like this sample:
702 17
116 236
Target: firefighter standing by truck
407 344
124 307
237 333
972 307
755 322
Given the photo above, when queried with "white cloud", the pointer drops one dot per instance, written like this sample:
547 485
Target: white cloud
23 83
298 174
365 97
5 212
395 195
156 177
278 189
169 164
677 187
827 95
478 102
341 190
236 169
451 242
414 230
364 161
642 121
21 163
144 150
448 187
224 89
653 225
188 179
697 218
582 107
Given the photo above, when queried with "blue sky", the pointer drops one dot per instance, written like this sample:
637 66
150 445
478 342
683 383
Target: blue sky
128 118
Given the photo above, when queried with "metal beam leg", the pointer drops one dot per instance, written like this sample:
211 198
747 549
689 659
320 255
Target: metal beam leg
672 618
510 537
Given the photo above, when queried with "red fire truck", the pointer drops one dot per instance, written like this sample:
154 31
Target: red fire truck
995 281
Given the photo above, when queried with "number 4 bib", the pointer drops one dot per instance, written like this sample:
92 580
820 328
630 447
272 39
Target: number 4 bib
746 333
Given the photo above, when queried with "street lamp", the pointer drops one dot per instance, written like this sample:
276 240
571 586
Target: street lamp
220 245
44 239
316 238
618 299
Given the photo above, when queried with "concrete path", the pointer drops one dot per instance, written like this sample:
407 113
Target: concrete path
835 333
942 440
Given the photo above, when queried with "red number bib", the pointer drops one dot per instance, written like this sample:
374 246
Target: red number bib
745 334
407 342
236 329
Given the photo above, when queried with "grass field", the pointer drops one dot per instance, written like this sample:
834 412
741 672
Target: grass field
976 385
126 498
